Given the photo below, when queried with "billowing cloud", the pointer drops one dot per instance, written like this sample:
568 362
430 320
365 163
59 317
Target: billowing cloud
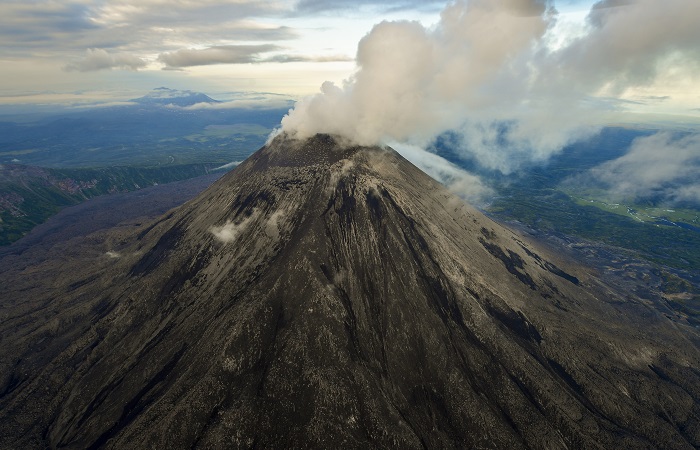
225 54
100 59
487 71
414 83
662 168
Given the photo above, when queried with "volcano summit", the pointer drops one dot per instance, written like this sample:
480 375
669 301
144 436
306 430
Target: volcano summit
323 295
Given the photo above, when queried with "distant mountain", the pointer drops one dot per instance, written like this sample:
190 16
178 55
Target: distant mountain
144 133
165 96
322 296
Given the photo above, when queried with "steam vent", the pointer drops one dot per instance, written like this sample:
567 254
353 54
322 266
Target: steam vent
329 296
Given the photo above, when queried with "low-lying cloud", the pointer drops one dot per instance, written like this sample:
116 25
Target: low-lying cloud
466 185
488 71
663 168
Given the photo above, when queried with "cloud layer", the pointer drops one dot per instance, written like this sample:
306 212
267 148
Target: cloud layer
488 70
663 168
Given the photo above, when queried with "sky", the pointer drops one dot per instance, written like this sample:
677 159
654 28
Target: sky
83 50
74 51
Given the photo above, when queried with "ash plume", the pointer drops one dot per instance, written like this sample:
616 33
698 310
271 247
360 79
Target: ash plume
498 73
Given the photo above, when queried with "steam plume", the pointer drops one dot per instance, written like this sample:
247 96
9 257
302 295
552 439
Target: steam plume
488 70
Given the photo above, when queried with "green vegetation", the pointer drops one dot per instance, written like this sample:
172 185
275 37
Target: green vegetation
543 199
132 147
638 228
554 211
662 216
30 195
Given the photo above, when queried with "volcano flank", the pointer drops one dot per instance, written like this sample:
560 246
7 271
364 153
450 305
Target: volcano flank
323 295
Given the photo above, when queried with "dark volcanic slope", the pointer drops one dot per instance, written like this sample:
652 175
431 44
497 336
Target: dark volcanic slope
323 297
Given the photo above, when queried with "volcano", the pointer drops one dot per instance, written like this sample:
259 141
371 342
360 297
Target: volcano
325 295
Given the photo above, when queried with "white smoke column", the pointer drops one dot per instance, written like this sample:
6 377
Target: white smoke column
413 83
486 71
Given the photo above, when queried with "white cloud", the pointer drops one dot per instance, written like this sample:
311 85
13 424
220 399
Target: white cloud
239 54
663 168
319 6
631 43
100 59
485 62
225 54
274 223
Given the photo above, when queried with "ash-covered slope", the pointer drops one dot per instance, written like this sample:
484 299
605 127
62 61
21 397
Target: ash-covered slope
322 296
